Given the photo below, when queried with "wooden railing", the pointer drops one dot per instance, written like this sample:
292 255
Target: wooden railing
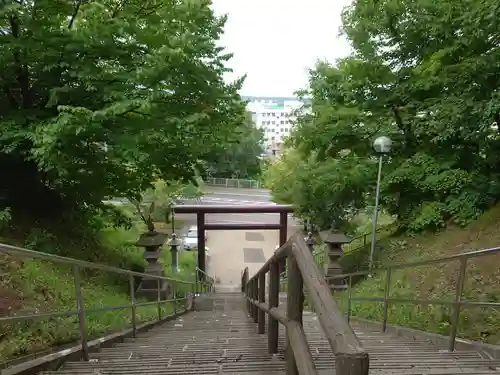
350 357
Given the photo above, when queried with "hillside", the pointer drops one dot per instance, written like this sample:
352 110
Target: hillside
32 286
437 281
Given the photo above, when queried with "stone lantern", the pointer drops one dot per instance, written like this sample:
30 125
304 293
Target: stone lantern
152 241
334 240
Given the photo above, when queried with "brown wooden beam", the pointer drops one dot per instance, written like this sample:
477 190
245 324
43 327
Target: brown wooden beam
217 226
221 209
200 221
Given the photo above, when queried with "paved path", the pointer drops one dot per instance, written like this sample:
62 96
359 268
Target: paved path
231 251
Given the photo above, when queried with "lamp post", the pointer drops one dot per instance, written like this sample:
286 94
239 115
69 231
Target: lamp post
174 249
382 146
172 218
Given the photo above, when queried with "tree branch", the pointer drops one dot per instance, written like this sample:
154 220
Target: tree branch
75 13
22 75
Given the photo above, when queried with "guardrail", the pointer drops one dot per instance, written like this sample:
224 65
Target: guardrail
81 311
456 304
234 183
350 357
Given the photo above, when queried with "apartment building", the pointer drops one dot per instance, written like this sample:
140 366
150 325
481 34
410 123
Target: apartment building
275 116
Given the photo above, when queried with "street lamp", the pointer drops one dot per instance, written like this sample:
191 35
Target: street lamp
382 146
172 218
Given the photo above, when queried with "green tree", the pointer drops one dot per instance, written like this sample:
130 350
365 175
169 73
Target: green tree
321 191
164 195
100 99
241 156
427 75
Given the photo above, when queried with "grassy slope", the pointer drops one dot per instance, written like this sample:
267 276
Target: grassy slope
438 281
32 286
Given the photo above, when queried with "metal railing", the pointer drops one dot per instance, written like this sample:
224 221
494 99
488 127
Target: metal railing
351 358
81 312
456 304
234 183
208 280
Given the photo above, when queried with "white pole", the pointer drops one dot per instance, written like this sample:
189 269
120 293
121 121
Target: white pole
375 213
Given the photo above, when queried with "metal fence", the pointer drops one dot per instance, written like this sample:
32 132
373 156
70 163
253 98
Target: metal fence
234 183
456 304
179 293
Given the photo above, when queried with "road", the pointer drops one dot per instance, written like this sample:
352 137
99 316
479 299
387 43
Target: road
230 251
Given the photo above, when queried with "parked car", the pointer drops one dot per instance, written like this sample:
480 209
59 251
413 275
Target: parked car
190 240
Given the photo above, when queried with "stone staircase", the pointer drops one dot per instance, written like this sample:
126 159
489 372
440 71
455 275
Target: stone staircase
219 338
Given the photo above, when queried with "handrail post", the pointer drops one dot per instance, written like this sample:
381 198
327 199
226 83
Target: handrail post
274 290
349 299
294 309
193 291
255 296
244 279
262 299
175 298
200 222
132 303
81 312
159 298
457 305
249 295
283 237
387 287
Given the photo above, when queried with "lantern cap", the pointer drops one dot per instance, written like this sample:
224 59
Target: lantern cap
151 238
382 145
334 236
175 241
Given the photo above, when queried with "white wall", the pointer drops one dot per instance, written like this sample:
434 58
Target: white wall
275 118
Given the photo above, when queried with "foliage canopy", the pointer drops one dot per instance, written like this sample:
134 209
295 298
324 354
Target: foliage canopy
426 74
100 99
240 156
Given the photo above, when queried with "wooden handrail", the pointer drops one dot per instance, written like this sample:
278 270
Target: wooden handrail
350 357
244 279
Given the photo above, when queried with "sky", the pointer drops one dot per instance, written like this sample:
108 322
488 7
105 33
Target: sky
275 41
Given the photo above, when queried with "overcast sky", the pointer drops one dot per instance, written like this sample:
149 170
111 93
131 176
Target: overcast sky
275 41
